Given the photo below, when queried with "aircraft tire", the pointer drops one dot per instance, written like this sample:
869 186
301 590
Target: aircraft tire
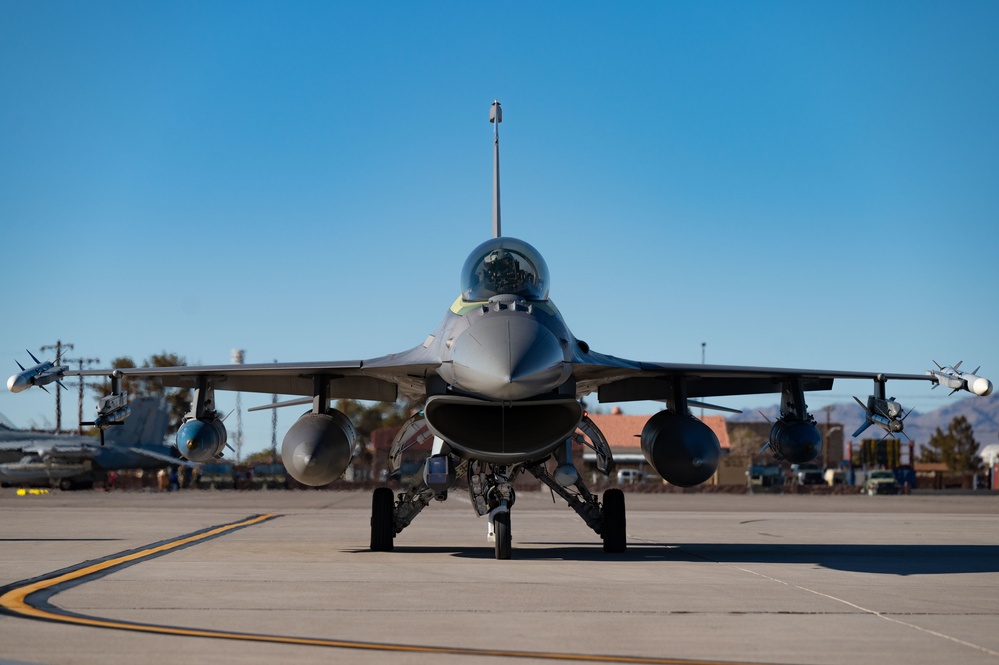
382 520
614 526
504 539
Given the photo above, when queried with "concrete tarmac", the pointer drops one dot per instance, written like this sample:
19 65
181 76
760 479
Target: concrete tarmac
706 579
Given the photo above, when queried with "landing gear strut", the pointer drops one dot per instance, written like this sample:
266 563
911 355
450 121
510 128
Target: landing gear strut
490 488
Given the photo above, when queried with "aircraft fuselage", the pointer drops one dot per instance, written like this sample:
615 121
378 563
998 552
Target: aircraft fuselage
506 393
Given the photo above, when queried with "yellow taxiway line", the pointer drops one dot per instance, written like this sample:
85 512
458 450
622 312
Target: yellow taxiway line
18 601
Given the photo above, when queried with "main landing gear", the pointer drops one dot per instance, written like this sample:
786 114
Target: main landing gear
382 520
490 489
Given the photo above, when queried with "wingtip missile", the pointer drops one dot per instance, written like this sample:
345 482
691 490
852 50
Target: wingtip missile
952 377
41 374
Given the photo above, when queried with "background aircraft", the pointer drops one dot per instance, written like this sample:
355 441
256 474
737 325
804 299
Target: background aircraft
71 462
500 382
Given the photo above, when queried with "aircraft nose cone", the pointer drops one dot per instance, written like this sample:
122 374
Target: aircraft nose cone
507 358
17 383
981 386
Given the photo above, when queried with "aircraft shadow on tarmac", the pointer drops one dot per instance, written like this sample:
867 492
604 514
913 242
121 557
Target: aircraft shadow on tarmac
881 559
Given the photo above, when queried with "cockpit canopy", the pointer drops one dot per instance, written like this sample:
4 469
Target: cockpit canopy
504 266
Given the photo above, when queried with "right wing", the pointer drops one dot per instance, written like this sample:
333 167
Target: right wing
381 379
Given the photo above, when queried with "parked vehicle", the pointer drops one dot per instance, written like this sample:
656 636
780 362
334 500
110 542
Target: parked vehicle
765 478
880 482
629 476
807 474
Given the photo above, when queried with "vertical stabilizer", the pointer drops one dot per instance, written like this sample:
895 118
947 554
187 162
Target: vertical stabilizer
496 117
145 427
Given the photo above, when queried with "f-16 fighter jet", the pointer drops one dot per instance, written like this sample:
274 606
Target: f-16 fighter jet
499 383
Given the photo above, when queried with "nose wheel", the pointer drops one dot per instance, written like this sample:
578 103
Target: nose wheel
502 535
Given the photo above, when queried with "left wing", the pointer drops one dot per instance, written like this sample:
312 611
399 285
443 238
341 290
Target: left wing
656 381
793 436
620 380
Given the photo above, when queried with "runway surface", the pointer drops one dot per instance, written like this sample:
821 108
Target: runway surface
263 577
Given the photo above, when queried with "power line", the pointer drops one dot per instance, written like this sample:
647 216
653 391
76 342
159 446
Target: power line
80 362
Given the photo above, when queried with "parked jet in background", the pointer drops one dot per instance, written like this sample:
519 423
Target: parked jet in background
499 383
72 462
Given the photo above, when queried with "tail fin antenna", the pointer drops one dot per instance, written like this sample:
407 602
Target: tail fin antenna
496 117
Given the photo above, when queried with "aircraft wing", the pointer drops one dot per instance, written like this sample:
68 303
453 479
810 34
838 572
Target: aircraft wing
39 442
619 380
379 379
161 457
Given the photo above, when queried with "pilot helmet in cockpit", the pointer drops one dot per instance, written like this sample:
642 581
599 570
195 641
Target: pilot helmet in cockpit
503 266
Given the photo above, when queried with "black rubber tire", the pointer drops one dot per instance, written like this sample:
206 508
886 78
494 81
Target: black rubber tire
504 539
382 520
614 522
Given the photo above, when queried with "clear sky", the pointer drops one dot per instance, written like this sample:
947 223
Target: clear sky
795 184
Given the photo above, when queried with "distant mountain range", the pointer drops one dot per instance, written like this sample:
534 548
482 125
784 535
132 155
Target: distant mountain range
981 412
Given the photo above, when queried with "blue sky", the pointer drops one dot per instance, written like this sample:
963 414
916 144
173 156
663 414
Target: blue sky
795 184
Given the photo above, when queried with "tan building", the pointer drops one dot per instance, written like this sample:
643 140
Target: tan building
623 433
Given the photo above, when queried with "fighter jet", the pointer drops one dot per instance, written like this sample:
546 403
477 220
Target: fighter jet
76 462
500 383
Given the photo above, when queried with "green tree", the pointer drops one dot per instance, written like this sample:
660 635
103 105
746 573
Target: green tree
179 399
957 447
367 417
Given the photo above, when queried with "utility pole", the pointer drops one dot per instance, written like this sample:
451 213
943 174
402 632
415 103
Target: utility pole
825 448
238 356
274 401
58 347
704 346
80 361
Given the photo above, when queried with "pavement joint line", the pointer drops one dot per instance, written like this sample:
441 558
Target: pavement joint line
30 599
887 616
880 615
